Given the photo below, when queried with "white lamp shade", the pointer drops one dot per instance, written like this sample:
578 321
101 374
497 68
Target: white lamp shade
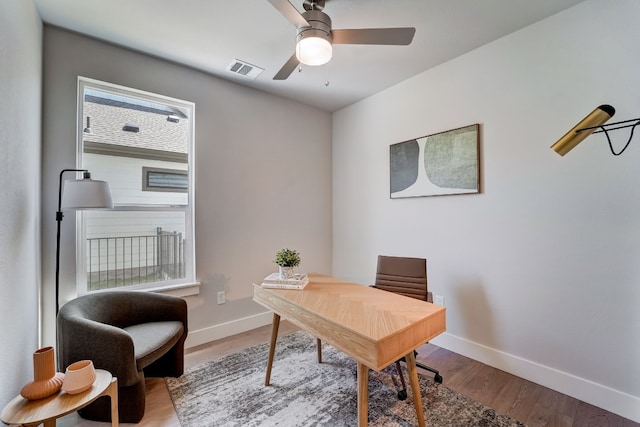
86 194
313 50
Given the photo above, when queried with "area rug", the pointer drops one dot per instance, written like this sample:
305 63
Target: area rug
230 392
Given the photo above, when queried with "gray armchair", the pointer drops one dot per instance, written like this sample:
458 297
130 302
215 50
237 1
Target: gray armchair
130 334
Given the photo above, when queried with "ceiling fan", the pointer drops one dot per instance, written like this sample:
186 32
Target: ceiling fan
315 37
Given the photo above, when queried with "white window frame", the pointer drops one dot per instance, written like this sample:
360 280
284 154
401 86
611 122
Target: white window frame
180 287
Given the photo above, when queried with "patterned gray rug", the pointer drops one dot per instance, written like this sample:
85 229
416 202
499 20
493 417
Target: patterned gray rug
230 392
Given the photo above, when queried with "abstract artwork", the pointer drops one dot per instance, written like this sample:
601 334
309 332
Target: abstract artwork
435 165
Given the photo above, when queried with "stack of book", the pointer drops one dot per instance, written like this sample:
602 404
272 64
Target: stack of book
298 281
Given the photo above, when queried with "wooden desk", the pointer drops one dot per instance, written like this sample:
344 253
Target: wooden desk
30 413
374 327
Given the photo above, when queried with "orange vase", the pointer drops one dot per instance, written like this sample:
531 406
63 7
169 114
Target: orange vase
46 381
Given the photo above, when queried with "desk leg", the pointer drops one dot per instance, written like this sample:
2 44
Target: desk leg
415 387
272 347
319 345
363 395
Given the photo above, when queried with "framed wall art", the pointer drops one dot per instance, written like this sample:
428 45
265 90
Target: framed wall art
441 164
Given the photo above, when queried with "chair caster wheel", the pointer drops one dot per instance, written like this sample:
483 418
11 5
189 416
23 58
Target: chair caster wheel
402 395
438 378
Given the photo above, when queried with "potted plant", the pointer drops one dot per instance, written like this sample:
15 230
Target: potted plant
287 260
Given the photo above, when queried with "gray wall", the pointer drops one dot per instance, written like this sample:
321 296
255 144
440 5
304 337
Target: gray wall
540 272
263 177
20 106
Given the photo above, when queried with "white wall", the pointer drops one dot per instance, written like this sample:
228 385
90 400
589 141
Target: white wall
20 105
263 176
540 272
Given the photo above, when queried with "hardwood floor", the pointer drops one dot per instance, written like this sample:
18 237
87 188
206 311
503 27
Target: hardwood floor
523 400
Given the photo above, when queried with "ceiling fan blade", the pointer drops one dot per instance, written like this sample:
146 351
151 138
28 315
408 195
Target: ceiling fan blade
290 12
388 36
287 68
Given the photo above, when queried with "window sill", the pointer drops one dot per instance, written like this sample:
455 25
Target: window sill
181 290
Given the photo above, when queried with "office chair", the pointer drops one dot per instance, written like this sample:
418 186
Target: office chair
408 277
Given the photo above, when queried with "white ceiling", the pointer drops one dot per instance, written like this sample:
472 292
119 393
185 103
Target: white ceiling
209 34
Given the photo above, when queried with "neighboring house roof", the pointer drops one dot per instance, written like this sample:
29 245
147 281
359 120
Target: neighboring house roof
151 126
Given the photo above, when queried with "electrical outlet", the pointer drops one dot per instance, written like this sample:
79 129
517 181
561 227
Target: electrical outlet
439 300
222 297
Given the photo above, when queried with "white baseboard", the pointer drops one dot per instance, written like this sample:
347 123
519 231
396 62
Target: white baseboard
223 330
604 397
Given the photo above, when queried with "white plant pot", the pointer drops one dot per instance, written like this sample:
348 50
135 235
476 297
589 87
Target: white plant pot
286 272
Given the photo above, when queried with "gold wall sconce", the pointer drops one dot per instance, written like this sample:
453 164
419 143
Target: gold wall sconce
594 122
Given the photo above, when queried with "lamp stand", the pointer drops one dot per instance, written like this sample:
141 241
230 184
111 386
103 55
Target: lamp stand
59 216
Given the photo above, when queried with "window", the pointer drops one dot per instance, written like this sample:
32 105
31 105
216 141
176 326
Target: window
164 180
147 240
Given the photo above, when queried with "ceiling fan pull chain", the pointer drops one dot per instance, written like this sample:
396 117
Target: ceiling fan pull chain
326 75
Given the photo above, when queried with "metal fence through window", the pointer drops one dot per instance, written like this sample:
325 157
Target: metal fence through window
124 261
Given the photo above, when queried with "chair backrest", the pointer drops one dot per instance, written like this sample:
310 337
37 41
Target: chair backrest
124 308
402 275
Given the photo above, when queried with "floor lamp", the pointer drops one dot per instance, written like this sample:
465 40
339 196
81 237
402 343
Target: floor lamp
79 194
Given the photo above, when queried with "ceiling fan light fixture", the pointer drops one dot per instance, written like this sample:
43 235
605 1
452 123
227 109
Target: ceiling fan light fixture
313 47
315 36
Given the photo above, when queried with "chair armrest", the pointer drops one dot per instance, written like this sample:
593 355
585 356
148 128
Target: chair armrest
109 347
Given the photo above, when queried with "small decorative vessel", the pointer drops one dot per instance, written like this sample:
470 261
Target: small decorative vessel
46 381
